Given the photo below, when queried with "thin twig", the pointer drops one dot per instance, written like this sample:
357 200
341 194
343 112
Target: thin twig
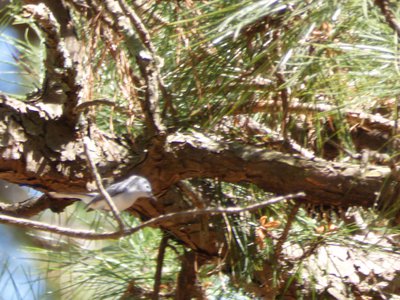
160 262
273 135
284 97
104 101
194 196
285 233
150 69
88 144
140 47
390 17
311 250
142 31
92 235
353 116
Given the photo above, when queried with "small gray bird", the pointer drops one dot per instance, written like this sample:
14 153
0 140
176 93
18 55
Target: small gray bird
124 194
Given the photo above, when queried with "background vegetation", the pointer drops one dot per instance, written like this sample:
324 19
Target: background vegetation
197 96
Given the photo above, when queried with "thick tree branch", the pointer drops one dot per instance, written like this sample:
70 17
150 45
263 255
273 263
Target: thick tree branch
59 89
48 154
41 146
56 54
324 182
67 30
14 106
185 156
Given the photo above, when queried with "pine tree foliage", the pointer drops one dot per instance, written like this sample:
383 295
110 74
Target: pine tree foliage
177 90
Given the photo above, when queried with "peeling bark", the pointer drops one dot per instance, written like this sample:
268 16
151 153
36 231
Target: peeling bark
41 140
47 160
48 154
324 182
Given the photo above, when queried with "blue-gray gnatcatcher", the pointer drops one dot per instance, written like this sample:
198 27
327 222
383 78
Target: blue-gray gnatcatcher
124 194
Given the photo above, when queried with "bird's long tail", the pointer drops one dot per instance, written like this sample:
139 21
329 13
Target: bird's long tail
86 198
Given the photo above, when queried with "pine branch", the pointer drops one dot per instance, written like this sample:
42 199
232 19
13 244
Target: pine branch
92 235
140 47
89 146
389 15
160 261
60 76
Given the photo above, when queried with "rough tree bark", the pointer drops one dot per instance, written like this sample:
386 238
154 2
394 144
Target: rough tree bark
48 155
41 144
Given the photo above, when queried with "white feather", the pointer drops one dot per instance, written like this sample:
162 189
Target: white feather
86 198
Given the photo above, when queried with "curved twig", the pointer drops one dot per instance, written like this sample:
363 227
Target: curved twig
92 235
88 144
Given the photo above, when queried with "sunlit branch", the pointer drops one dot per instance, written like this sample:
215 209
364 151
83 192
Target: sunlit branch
60 75
89 145
92 235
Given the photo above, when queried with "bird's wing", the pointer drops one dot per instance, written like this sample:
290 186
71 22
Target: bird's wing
84 197
111 190
116 188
